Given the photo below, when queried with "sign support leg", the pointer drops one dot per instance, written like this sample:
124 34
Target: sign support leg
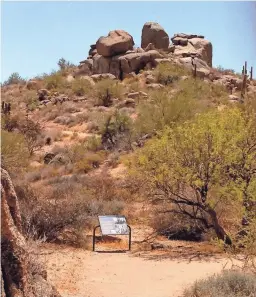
94 231
130 237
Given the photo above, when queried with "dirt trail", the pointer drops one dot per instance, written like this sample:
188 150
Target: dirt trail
80 273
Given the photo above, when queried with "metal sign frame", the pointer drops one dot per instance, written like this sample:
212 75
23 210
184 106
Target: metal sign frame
98 226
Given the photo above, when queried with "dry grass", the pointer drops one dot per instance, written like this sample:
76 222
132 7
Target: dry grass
227 284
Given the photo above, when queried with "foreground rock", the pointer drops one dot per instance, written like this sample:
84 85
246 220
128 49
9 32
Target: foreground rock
117 42
18 276
155 34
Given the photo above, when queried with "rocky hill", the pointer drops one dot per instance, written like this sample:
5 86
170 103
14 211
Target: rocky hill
68 136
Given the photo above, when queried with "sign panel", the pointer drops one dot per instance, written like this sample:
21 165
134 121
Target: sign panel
113 225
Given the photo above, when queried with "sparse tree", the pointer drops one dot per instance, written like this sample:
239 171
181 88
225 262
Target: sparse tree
31 132
64 64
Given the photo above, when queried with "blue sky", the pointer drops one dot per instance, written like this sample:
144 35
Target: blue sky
35 35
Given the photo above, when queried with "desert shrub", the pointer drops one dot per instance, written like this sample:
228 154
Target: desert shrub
31 100
9 122
105 188
14 152
33 176
49 113
55 81
14 78
96 120
113 159
70 107
117 131
227 284
32 132
65 207
49 172
92 127
81 87
106 90
177 227
89 162
81 118
52 135
224 71
64 64
167 73
64 120
93 143
50 214
76 152
168 108
164 109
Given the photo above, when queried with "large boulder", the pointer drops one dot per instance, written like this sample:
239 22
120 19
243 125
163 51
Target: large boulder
93 50
117 42
100 64
155 34
202 69
85 68
120 65
204 49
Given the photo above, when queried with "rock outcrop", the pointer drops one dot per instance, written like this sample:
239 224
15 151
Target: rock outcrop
116 55
17 277
191 45
155 34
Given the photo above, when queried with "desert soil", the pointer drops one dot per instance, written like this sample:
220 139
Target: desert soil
138 273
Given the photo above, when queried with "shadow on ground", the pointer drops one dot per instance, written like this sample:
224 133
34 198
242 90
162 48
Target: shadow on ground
180 253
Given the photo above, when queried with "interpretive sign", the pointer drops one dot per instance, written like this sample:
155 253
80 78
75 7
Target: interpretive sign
113 225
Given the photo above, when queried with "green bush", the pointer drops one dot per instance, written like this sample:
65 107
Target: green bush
117 131
81 87
168 108
167 73
164 109
106 90
14 152
93 143
89 161
55 81
10 123
64 64
227 284
31 100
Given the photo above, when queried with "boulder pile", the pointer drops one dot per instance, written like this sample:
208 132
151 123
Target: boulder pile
115 53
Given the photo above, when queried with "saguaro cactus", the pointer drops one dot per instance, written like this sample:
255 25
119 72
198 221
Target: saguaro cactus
193 66
6 108
251 73
244 85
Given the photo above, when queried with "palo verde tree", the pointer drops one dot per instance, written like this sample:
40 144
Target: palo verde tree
187 166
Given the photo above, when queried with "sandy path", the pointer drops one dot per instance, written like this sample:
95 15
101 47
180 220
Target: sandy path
79 273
